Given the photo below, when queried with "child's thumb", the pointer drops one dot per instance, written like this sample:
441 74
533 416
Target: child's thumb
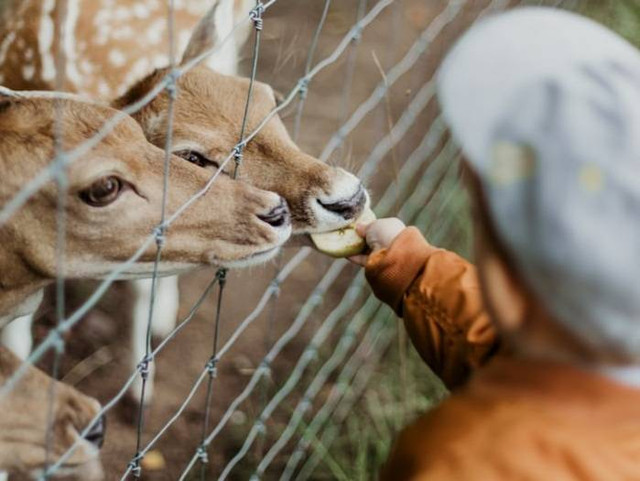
361 229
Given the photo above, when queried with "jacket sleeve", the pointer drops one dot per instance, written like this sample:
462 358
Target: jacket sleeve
438 295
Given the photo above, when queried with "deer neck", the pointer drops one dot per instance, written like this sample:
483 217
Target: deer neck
20 288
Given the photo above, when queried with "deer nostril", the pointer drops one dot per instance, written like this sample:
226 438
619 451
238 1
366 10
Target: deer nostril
278 216
96 434
347 208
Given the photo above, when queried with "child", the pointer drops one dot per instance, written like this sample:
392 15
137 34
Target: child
540 343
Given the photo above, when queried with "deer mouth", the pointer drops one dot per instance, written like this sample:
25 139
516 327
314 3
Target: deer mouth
348 208
338 211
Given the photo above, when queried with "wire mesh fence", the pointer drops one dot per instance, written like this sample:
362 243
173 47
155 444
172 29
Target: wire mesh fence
299 405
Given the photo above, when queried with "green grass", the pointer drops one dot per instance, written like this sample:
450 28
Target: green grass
393 399
623 16
403 387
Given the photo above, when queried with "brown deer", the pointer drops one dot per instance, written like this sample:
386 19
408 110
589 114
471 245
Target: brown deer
104 58
112 204
24 421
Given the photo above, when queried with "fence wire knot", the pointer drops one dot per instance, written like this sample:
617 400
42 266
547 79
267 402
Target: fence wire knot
203 456
172 84
317 296
256 16
134 466
159 233
221 276
61 175
312 352
303 88
356 33
305 404
275 287
57 341
265 366
261 426
212 366
238 153
143 367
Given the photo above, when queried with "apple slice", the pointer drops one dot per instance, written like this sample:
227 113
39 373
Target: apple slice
343 242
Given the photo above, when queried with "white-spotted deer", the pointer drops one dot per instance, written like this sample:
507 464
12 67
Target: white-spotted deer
118 57
111 204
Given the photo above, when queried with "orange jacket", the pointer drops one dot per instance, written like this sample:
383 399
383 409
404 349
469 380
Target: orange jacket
515 419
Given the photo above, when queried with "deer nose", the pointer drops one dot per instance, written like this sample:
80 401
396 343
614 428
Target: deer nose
97 432
347 208
278 216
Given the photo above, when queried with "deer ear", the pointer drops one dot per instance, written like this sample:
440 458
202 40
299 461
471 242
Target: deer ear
212 31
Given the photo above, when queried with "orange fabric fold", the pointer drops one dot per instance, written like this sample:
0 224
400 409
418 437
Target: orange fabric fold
438 294
522 420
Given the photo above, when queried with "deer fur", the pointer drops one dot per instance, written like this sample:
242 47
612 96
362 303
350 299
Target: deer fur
224 227
24 420
207 113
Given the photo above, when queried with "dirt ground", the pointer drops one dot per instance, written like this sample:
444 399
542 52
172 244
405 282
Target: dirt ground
99 345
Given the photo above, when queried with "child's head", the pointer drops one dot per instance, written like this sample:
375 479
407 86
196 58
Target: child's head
546 106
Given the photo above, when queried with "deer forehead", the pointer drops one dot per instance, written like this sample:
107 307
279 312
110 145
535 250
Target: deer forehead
229 91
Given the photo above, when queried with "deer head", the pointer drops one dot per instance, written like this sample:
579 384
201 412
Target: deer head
207 119
24 420
113 202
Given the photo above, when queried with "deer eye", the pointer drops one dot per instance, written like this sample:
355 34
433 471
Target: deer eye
102 192
196 158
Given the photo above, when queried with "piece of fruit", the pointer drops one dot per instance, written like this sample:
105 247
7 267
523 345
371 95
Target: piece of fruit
343 242
153 461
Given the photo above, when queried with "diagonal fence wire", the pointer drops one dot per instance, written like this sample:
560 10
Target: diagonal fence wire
417 159
160 239
341 386
274 286
412 166
56 335
312 301
338 403
427 94
310 352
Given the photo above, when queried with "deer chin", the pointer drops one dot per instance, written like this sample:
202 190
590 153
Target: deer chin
252 260
88 471
141 270
257 256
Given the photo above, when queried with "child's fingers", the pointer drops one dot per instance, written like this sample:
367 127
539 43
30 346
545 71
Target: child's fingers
361 229
382 232
360 260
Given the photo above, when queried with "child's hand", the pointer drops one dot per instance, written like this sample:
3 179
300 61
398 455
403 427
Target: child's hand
379 235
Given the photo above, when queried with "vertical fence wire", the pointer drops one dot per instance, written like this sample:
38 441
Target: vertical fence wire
420 206
258 24
146 364
212 372
72 155
61 236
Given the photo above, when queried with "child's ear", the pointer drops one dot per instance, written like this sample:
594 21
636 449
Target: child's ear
506 298
508 301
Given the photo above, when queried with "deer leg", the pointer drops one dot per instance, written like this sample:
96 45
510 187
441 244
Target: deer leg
167 305
165 311
16 336
142 303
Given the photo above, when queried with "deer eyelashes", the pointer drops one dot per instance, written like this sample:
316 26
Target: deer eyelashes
196 158
103 192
